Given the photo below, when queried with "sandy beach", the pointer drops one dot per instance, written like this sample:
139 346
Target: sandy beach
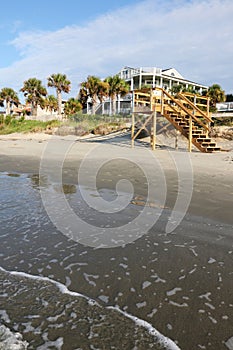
212 173
177 275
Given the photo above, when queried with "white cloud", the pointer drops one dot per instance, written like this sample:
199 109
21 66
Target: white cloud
195 37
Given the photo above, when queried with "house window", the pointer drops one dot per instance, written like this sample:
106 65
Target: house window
148 82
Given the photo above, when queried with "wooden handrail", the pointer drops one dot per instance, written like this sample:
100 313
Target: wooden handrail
186 110
178 103
195 107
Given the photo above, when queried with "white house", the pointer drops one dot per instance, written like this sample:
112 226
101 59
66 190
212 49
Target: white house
157 77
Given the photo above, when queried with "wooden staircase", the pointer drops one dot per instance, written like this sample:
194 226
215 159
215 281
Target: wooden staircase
187 112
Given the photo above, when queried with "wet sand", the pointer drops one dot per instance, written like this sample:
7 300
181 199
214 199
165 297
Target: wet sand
179 280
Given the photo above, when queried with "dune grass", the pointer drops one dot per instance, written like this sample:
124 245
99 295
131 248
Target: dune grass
11 125
81 123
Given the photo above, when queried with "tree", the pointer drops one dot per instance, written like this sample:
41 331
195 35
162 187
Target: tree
229 98
10 97
102 93
216 95
34 91
175 89
72 106
83 97
90 89
117 87
181 88
61 84
51 103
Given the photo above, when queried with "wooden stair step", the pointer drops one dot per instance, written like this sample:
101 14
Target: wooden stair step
194 128
181 123
199 139
208 144
199 135
213 149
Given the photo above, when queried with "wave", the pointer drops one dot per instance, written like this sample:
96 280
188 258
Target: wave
10 340
63 310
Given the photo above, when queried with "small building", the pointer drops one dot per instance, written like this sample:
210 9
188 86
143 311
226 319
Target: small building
43 114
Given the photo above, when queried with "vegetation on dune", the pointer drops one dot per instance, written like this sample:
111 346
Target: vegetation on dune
95 124
78 124
10 125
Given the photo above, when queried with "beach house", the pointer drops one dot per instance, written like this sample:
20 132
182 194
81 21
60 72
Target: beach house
138 78
157 77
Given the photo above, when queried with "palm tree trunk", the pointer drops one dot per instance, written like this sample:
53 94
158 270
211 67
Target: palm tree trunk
34 109
102 106
59 102
118 104
94 99
110 106
114 105
93 107
8 107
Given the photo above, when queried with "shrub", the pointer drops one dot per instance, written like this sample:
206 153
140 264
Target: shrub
8 119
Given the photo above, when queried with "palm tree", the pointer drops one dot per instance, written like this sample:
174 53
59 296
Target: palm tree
103 93
34 91
216 95
91 88
10 97
83 96
72 106
61 84
117 87
51 103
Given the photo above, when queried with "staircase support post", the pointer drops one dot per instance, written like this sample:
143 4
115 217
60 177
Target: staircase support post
176 139
132 130
153 125
153 130
190 134
133 121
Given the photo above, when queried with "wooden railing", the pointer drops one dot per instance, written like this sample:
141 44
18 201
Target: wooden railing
189 113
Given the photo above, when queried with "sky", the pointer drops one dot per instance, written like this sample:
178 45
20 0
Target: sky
80 38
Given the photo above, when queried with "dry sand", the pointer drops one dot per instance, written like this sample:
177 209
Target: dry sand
212 173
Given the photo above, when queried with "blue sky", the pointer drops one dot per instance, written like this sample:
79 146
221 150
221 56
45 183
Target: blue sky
79 38
27 15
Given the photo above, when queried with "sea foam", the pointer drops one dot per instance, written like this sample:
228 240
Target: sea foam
167 343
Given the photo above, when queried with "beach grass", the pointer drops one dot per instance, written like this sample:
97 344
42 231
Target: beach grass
12 125
82 124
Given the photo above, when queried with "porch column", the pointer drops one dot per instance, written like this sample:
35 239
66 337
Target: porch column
131 84
140 79
161 82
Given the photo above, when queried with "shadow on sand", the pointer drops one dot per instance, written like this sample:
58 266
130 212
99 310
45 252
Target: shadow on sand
123 139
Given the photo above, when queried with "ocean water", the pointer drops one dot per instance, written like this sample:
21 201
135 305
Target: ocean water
63 294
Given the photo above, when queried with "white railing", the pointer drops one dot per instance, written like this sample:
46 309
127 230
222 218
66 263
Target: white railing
224 107
151 70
